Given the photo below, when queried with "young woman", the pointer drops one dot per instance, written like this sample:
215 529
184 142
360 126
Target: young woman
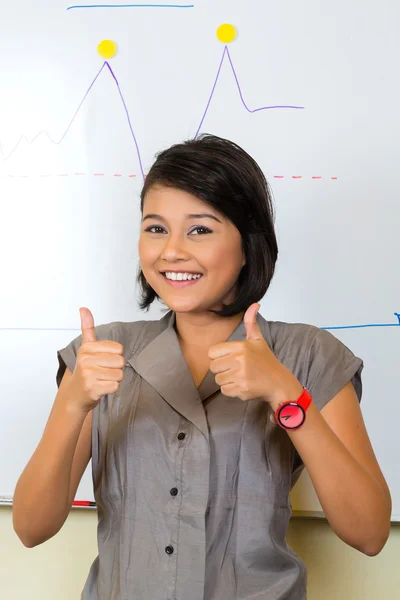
198 424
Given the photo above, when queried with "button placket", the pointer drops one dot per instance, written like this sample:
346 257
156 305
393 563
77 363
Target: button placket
172 550
193 484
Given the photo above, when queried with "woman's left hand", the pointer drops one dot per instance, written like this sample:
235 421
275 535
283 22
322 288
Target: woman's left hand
248 369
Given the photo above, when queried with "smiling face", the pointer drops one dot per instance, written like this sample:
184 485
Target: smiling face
173 239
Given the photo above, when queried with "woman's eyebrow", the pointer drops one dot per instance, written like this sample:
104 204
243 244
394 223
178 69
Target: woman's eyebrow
191 216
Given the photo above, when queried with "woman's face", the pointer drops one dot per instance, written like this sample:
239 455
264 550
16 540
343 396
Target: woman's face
173 240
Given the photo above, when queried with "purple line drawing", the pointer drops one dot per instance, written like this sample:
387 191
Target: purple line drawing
254 110
58 142
106 64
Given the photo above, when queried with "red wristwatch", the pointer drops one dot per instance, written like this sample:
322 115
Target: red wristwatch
292 414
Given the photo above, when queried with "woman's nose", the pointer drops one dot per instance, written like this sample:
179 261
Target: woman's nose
174 247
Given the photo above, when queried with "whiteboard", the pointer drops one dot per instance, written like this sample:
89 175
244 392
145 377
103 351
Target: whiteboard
312 95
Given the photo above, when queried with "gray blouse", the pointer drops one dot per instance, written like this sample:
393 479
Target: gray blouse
192 487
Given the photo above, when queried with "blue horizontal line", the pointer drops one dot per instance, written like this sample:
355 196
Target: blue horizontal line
131 6
77 328
362 326
335 327
367 325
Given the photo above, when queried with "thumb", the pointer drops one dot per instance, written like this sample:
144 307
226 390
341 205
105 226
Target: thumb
253 331
87 325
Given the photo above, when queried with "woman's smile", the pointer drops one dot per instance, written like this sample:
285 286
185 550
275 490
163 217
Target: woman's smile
180 280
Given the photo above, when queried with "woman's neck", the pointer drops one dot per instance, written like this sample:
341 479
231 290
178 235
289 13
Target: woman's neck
206 329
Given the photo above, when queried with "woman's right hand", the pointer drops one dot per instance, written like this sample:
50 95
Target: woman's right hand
99 366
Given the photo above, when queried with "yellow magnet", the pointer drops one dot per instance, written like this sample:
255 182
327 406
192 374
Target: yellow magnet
226 33
107 49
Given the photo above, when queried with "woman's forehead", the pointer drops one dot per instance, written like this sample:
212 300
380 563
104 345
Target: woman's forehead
176 202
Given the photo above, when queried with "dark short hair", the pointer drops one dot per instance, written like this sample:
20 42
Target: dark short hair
224 176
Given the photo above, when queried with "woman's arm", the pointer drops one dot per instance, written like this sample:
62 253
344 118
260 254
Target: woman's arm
47 486
333 443
335 448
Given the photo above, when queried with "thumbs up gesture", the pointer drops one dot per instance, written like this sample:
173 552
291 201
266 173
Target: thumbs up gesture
99 366
248 369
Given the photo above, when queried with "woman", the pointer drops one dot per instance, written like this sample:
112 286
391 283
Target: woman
194 447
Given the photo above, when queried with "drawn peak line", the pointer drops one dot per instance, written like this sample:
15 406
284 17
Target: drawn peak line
130 6
106 64
250 110
58 142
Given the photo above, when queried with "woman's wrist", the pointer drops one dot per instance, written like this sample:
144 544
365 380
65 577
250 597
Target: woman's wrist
290 391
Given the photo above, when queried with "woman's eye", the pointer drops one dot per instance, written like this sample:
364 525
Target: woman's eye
154 227
205 230
200 228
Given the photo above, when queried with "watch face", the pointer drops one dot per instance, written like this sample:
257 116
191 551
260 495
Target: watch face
291 416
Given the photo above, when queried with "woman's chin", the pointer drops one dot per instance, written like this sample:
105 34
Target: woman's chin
185 306
182 305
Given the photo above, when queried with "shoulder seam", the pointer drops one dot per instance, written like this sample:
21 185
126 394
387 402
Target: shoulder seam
309 345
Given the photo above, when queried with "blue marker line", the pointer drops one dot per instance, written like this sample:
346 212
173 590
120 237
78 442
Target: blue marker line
368 325
327 328
362 326
131 6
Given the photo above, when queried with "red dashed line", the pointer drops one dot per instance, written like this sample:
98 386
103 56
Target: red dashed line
133 175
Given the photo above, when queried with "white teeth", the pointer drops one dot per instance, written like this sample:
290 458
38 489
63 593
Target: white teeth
182 276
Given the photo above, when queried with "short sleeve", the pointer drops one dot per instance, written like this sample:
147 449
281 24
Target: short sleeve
331 365
67 358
